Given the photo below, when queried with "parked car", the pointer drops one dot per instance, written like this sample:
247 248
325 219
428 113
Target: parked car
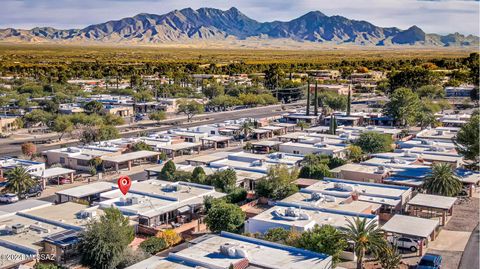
33 192
61 180
430 261
8 198
404 242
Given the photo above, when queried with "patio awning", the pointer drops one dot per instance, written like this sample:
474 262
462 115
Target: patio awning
183 209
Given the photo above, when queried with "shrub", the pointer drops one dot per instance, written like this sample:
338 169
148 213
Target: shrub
170 237
154 245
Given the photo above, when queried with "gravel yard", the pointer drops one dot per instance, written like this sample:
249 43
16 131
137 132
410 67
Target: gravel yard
465 215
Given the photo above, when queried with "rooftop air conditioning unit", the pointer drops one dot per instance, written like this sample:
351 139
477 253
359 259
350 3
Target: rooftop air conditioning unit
18 228
344 187
317 196
132 200
380 170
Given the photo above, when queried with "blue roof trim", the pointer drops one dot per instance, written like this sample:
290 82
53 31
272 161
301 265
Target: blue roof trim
272 245
365 183
326 210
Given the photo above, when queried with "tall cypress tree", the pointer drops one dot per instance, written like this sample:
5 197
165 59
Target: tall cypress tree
349 100
308 97
316 99
333 125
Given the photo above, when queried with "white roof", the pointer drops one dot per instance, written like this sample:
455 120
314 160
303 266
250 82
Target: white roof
433 201
52 172
259 253
217 138
179 146
130 156
412 226
87 190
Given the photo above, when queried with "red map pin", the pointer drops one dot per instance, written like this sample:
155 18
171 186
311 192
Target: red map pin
124 184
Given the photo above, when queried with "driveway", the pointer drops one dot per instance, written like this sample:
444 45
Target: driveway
470 258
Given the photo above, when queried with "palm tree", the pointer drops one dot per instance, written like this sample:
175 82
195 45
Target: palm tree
442 181
19 181
389 258
246 128
366 235
302 124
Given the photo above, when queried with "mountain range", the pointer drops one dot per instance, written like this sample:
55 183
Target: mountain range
214 25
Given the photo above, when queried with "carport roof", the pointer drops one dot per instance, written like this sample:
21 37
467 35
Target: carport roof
130 156
410 226
432 201
53 172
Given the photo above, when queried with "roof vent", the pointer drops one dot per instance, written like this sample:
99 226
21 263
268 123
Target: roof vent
233 251
344 187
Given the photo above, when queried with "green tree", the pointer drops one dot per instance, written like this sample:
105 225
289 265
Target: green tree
278 183
224 180
153 245
273 76
223 216
426 116
366 236
141 146
19 181
323 239
190 108
442 181
333 100
157 116
413 78
236 195
389 258
168 171
104 241
63 125
355 153
213 90
246 129
225 101
100 133
302 125
142 96
430 91
373 142
467 139
198 175
38 116
93 107
332 128
316 171
277 235
335 162
403 107
112 119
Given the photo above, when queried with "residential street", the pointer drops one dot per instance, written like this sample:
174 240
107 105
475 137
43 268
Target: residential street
470 258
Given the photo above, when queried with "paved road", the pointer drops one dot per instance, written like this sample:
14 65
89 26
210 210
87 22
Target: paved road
470 258
13 147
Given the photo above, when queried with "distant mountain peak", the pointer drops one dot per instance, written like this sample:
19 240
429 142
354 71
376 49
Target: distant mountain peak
206 23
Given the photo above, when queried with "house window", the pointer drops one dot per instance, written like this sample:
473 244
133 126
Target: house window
296 152
62 160
212 132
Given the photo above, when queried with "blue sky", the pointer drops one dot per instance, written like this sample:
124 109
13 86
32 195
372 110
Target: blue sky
433 16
